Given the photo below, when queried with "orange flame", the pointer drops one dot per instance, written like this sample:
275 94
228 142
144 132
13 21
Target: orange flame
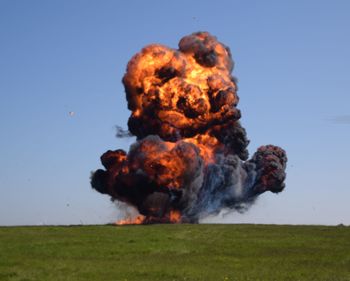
208 146
176 93
137 220
175 216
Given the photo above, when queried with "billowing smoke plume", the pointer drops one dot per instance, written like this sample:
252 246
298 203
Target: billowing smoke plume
188 161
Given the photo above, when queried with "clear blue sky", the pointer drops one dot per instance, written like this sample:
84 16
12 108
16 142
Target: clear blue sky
292 62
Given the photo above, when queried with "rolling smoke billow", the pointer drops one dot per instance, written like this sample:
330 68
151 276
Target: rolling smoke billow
190 158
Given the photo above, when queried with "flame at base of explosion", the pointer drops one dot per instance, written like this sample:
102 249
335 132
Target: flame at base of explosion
189 160
173 217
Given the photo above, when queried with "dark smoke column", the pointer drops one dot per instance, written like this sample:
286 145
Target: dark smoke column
188 161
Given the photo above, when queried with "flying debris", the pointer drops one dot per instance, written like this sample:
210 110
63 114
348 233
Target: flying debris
190 158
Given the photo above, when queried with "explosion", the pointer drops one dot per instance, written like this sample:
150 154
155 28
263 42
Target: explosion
190 158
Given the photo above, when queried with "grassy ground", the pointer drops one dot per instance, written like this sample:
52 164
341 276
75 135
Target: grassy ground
175 252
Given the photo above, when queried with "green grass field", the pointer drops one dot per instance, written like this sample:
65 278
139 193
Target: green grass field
175 252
